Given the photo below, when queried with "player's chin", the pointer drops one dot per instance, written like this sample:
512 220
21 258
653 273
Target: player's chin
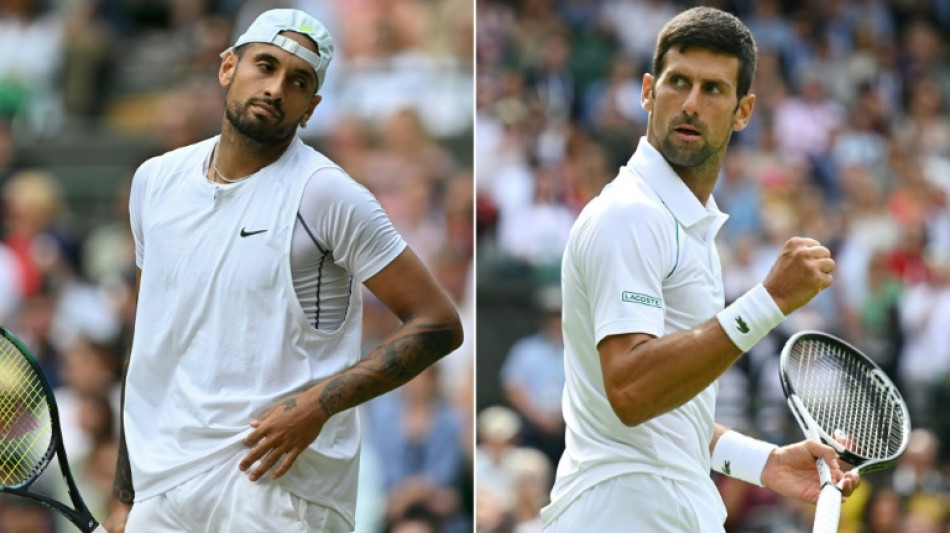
686 155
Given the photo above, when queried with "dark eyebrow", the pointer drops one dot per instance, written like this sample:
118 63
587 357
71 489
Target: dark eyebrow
270 58
722 82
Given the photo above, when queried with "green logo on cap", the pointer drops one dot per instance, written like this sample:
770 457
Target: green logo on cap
304 27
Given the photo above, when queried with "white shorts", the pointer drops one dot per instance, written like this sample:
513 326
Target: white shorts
224 500
635 503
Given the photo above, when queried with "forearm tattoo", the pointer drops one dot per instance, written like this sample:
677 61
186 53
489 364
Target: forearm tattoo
390 365
122 489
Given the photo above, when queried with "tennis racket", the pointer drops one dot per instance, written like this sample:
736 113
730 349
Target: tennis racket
30 434
843 399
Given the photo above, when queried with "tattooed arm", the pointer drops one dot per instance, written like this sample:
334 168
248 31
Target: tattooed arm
123 493
430 329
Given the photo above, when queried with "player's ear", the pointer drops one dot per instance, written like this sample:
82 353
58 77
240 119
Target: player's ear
314 102
743 112
228 66
648 93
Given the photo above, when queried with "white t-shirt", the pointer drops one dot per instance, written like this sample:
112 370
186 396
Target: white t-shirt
641 258
220 334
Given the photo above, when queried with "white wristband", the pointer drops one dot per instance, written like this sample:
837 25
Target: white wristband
750 317
741 457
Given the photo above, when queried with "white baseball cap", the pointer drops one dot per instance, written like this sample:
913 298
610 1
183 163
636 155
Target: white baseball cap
267 27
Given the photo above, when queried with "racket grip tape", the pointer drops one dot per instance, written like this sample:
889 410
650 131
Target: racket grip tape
828 512
100 529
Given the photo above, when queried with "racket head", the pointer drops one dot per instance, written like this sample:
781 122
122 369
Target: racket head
27 434
842 396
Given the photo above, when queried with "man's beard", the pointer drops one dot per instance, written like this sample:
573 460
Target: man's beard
254 130
685 156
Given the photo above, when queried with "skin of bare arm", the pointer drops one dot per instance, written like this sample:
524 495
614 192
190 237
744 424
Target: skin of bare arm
123 493
430 329
646 376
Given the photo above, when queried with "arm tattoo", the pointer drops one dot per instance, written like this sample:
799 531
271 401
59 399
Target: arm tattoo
290 404
122 489
389 366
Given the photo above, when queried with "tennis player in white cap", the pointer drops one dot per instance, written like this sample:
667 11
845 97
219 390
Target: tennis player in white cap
246 361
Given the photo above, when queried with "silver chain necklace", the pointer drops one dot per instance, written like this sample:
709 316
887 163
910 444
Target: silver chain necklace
214 165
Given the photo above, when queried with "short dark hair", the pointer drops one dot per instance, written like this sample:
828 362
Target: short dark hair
713 29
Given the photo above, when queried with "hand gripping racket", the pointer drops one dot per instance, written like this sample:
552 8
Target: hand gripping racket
843 399
30 433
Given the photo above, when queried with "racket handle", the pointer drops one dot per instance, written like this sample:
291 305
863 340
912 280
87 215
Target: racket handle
100 529
828 512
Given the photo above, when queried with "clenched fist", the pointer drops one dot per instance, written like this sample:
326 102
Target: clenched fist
802 270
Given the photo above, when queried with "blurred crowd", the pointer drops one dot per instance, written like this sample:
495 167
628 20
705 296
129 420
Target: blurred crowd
397 115
849 144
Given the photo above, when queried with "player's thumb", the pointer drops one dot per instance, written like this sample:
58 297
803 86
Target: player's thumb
823 451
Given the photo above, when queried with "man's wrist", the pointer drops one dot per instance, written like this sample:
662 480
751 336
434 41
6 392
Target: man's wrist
750 318
742 457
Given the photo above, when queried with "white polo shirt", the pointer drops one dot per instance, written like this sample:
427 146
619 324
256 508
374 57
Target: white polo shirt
641 258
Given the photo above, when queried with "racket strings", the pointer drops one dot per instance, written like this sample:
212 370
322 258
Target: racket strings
847 399
26 431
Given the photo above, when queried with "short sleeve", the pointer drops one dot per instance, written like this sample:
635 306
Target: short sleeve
625 256
350 222
136 204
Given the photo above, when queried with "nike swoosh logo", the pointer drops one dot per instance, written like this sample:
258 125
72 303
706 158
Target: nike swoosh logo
245 233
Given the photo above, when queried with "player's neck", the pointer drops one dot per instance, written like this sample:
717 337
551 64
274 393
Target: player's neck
700 180
238 156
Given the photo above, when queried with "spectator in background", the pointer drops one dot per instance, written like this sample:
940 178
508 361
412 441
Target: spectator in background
925 129
918 471
93 468
33 204
742 198
404 136
86 60
586 170
883 511
878 331
31 38
86 368
534 235
533 378
862 141
533 474
805 125
416 435
636 24
495 455
611 110
417 519
109 250
925 355
34 324
770 27
552 81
